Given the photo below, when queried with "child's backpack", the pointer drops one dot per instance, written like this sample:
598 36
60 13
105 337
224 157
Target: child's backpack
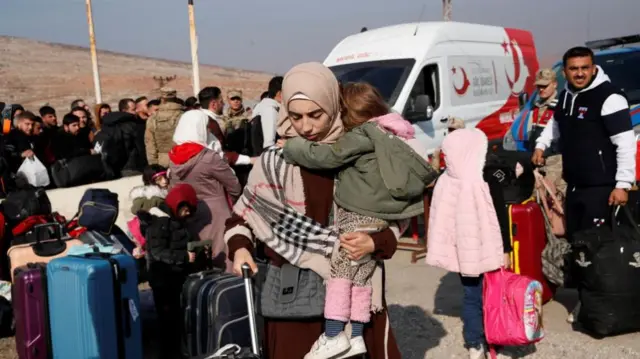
512 306
98 210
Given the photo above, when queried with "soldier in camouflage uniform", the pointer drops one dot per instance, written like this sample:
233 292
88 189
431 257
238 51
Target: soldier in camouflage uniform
158 137
236 113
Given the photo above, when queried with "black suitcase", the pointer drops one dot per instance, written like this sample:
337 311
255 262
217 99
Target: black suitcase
216 314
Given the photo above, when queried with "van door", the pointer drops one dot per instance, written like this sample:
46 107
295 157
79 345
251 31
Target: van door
424 108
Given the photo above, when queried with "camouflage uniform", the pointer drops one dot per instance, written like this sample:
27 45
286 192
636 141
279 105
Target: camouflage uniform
233 119
553 169
158 137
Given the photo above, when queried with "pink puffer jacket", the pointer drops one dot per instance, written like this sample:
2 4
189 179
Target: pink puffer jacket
464 234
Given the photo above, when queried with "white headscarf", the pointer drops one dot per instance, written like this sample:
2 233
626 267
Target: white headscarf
193 128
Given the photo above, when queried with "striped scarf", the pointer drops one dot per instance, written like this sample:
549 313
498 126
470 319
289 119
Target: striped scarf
273 206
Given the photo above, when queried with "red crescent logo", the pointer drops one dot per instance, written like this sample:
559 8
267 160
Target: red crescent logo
465 82
516 66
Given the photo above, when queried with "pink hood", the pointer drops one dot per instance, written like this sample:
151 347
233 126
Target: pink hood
464 234
396 124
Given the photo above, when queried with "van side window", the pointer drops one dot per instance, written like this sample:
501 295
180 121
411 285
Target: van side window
427 83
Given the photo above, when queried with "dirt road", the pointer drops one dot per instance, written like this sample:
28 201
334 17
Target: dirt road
424 305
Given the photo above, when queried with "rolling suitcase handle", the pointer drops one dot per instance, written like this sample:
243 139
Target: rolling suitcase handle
248 286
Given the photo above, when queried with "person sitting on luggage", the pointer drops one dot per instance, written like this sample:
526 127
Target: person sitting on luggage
66 144
169 261
468 227
151 194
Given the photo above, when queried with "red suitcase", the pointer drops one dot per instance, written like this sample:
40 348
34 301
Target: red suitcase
528 239
29 297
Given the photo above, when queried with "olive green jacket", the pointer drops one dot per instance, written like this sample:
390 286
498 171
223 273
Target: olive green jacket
381 175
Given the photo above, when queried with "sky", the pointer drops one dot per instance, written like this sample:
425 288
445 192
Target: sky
275 35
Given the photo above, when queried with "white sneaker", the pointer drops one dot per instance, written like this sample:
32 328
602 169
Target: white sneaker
329 348
357 348
478 353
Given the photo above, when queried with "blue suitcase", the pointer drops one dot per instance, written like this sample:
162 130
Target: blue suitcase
94 307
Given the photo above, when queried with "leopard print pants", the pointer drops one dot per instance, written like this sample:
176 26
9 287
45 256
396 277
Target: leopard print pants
359 272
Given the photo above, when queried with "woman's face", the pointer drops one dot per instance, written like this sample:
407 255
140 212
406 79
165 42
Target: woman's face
309 120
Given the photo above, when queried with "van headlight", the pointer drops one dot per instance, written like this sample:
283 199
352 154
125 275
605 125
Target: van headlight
508 142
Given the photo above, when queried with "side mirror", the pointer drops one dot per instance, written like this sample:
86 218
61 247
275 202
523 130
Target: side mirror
523 98
423 106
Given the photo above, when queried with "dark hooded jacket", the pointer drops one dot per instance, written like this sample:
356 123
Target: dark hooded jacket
15 143
66 146
121 145
167 237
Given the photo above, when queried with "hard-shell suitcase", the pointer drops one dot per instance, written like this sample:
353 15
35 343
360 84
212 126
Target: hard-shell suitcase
41 251
5 243
30 310
116 239
528 239
215 313
234 351
94 307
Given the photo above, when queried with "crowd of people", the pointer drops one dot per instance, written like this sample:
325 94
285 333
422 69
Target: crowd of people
139 133
335 179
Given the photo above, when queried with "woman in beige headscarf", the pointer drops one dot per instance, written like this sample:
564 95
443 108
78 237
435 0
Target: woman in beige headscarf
311 109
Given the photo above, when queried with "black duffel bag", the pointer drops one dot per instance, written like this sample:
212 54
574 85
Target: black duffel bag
78 171
22 204
606 267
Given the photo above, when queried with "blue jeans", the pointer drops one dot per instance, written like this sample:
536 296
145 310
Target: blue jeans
472 318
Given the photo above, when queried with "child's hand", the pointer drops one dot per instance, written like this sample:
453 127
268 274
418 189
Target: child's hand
281 142
137 253
192 257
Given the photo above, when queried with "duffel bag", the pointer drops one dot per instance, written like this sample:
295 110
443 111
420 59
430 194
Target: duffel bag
78 171
606 262
98 210
22 204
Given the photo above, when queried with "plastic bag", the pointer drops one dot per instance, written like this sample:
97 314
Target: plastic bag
34 172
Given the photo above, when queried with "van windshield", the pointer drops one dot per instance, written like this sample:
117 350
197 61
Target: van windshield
387 76
624 71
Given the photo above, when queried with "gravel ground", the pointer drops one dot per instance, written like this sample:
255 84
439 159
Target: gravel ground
425 302
424 305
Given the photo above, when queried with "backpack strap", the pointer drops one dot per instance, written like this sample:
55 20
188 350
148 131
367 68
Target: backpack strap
492 351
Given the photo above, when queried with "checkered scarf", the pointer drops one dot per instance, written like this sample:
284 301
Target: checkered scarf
273 206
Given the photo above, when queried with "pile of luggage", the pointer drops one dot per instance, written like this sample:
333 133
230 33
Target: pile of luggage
74 287
603 262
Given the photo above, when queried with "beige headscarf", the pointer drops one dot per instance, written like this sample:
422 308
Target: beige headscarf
316 82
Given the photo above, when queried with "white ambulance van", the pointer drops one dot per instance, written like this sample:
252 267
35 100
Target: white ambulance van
432 70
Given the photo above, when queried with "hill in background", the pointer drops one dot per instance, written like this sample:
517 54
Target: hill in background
33 73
